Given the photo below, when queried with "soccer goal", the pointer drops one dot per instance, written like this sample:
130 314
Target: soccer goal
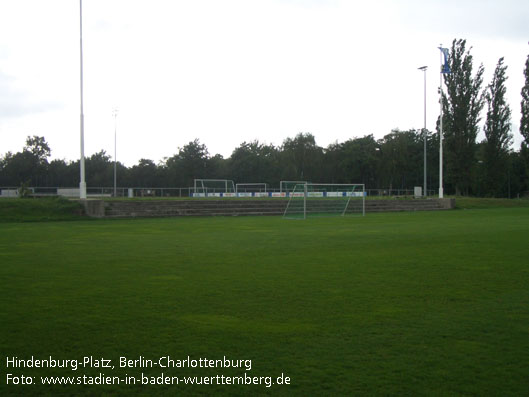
251 187
325 199
208 186
288 186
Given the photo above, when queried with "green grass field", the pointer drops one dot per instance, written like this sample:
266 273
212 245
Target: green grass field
425 303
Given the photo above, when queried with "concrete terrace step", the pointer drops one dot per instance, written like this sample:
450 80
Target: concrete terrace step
192 207
193 212
235 207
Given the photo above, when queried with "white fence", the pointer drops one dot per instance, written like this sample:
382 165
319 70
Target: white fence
101 192
10 192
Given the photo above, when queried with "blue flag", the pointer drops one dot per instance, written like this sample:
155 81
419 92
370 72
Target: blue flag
445 69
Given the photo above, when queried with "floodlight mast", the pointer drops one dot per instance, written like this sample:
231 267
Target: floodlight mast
82 183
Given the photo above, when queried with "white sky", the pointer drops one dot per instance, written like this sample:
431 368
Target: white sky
228 71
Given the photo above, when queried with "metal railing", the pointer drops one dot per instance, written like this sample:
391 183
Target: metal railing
12 191
395 192
168 192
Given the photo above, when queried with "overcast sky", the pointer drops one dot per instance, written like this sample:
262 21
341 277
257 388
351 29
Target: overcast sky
228 71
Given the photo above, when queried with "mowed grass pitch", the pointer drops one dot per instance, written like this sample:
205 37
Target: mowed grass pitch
426 303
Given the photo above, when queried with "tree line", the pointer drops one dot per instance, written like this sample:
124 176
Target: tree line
487 168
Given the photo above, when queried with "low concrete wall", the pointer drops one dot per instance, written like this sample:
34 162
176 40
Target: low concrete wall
448 203
94 208
393 205
235 207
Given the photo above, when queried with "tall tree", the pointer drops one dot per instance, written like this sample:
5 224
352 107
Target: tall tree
302 158
144 174
462 105
401 166
331 163
497 132
359 161
254 162
29 166
524 127
190 163
38 147
63 174
524 122
100 169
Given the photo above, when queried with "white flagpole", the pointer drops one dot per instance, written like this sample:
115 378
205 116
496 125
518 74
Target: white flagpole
115 114
425 193
82 184
441 193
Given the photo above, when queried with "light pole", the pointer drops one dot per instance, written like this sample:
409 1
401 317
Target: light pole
115 114
424 68
82 183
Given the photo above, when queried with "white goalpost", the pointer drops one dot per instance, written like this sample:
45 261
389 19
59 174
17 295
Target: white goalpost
288 186
325 199
251 187
205 186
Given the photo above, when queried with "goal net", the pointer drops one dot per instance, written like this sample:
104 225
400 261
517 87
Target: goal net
288 186
251 187
325 199
208 186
